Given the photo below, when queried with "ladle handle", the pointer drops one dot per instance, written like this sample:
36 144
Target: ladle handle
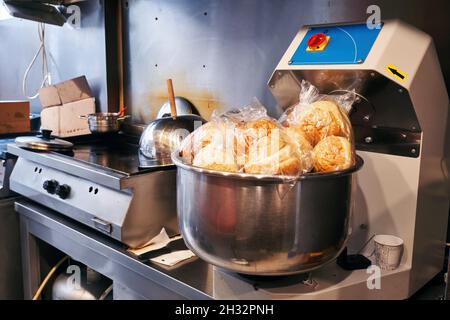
173 107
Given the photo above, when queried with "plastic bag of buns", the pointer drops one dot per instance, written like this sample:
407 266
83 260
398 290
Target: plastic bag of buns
247 140
324 121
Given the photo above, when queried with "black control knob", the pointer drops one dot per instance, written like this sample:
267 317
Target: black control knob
63 191
50 186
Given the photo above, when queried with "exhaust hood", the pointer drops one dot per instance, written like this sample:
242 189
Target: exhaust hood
46 11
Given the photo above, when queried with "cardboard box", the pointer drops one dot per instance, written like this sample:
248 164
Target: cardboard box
65 92
62 106
65 120
49 97
14 116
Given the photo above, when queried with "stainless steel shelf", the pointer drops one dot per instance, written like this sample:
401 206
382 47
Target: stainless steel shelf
132 278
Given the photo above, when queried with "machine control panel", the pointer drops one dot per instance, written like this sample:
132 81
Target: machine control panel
340 44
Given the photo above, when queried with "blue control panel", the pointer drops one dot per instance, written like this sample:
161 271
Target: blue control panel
345 44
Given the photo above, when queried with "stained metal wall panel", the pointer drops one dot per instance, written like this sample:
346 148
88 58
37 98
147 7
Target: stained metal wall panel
74 52
220 54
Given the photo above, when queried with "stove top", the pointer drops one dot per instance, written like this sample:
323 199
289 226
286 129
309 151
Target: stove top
116 152
119 156
100 183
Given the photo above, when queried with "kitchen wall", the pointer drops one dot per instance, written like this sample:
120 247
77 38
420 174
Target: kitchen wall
73 52
220 54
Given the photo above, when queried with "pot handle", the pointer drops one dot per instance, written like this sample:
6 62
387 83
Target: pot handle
83 117
123 118
171 93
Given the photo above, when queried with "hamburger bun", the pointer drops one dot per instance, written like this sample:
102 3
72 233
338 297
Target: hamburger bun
333 154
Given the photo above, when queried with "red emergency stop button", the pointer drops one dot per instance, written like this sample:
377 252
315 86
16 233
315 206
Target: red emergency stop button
316 40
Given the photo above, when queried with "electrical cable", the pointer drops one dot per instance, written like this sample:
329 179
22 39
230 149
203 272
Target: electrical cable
105 293
365 245
45 73
48 276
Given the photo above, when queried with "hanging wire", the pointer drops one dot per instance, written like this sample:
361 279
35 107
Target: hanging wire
365 245
106 293
46 79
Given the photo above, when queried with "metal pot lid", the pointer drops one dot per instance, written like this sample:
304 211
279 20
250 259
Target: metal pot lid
183 106
157 163
163 136
44 142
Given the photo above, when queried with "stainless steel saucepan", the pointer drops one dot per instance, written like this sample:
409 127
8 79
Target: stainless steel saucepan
264 225
104 122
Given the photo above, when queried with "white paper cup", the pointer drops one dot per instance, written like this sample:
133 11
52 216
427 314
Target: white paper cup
388 251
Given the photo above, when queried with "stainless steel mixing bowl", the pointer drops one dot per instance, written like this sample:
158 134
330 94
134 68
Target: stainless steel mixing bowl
264 225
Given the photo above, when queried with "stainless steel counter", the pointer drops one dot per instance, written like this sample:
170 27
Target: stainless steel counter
132 278
192 279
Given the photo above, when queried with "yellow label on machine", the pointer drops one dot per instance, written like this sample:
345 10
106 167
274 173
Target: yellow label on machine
396 72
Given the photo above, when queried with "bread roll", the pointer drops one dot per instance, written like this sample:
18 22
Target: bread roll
246 135
298 137
281 162
333 154
256 129
320 120
216 158
273 155
257 147
200 138
263 125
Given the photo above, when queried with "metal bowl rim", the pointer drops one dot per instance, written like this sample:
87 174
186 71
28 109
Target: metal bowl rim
181 118
103 116
177 160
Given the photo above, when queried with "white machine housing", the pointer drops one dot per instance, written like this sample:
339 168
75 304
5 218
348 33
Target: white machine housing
402 189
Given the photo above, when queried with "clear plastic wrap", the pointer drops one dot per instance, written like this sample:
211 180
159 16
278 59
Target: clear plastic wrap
252 112
314 134
324 122
247 140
